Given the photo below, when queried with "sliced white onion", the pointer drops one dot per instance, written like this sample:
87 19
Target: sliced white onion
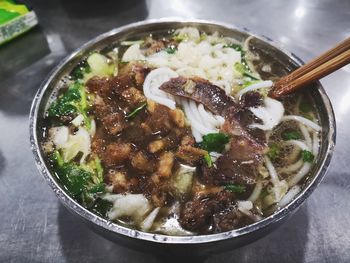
149 220
271 114
133 53
77 121
59 135
256 86
246 205
302 120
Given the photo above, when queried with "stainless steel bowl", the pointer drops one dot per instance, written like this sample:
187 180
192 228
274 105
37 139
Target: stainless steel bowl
201 244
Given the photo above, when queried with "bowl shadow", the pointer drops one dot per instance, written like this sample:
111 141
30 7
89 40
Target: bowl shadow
80 244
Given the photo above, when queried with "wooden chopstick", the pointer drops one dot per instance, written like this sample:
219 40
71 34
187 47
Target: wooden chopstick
323 65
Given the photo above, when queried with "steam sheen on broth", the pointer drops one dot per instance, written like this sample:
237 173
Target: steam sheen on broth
175 134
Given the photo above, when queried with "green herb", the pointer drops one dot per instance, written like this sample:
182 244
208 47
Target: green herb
102 207
274 151
264 193
307 156
208 160
80 70
305 107
235 188
244 71
214 142
137 110
73 101
236 47
292 135
170 50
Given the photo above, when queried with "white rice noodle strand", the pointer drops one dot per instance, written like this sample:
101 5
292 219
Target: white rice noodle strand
302 120
292 168
300 144
256 192
300 175
306 135
256 86
290 195
272 171
315 143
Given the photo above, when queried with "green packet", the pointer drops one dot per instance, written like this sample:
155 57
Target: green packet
15 19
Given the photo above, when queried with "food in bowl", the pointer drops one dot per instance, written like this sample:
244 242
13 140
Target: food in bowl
174 133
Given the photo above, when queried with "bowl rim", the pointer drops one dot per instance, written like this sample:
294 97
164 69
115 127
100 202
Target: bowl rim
161 238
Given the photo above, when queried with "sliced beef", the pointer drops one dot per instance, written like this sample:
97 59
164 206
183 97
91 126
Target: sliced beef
238 165
197 214
190 155
230 218
211 96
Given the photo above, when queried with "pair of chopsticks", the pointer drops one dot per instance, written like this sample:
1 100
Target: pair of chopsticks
320 67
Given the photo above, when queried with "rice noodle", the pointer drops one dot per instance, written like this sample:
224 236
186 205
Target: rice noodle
300 175
256 192
306 135
303 120
300 144
292 168
152 83
315 143
289 196
259 85
272 171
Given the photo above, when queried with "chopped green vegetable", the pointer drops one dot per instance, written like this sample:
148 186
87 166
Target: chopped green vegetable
236 47
81 181
241 69
274 151
307 156
64 104
264 193
73 101
208 160
170 50
137 110
214 142
80 70
102 207
235 188
305 107
291 135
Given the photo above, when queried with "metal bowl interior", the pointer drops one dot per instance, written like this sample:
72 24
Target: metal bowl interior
270 51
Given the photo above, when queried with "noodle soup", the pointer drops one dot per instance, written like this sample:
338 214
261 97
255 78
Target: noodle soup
176 134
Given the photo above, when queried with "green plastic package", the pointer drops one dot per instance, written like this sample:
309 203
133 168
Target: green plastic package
15 19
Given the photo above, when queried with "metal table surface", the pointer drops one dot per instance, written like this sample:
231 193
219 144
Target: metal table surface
34 227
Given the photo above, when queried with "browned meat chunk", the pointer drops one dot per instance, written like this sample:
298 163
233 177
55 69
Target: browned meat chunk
188 140
133 97
114 122
98 86
137 72
178 117
166 162
116 154
189 154
142 163
98 146
197 214
230 219
236 166
159 120
156 146
118 180
151 46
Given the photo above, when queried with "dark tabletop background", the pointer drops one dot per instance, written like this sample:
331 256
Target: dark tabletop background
35 227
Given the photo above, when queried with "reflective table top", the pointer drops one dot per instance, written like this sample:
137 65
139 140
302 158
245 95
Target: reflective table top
34 227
